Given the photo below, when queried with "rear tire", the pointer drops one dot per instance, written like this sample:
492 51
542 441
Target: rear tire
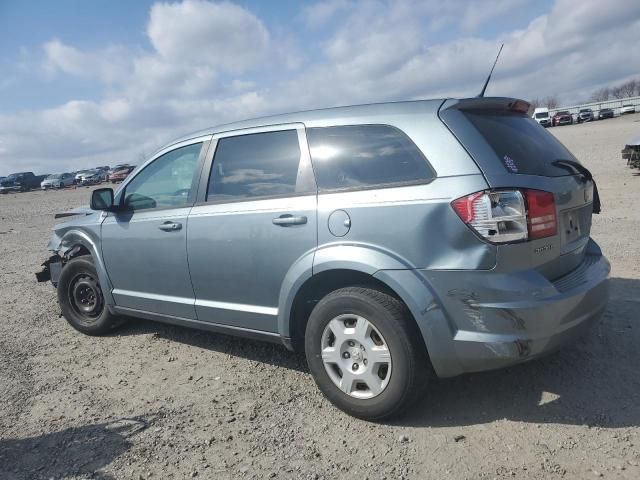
81 299
365 353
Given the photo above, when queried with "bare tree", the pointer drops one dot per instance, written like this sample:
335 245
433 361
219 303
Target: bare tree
601 95
551 101
616 92
535 102
628 89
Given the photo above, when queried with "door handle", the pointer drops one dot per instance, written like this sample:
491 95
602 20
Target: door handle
170 226
288 220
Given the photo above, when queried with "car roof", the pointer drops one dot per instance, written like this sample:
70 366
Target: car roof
352 112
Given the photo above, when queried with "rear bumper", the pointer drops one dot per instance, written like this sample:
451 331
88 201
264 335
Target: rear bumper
482 320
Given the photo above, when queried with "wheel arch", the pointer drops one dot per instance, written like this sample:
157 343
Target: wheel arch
76 242
327 270
370 268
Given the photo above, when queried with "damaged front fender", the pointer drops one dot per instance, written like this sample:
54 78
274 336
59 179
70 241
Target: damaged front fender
79 236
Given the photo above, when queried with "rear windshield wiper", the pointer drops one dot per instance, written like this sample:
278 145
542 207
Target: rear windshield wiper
575 167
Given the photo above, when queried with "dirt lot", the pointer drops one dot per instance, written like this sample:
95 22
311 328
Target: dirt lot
155 401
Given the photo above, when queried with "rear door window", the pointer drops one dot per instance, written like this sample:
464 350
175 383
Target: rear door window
257 165
520 143
365 155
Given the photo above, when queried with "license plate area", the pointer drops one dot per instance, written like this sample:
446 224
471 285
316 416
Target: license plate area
575 224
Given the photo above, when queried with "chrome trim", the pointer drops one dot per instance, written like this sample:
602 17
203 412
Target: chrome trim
238 307
153 296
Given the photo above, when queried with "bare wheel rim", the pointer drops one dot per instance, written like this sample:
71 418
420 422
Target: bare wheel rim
356 356
85 297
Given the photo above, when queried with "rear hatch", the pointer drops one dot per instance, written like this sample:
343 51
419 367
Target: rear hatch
514 152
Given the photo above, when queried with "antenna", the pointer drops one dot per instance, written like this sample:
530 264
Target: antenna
489 77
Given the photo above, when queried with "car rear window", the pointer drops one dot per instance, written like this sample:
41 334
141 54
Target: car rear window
362 156
522 146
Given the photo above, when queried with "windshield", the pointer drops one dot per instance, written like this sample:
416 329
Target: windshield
542 115
54 176
520 143
562 113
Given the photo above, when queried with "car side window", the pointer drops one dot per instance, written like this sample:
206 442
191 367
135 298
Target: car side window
257 165
166 182
361 156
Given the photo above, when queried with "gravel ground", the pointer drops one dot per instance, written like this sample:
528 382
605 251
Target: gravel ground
156 401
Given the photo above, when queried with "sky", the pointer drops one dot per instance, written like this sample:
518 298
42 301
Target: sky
101 82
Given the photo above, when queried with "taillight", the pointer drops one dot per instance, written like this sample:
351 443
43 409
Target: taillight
541 215
502 216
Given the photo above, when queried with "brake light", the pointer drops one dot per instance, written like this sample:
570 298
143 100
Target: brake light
502 216
541 215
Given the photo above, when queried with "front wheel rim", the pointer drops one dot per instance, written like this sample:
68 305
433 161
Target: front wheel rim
356 356
85 297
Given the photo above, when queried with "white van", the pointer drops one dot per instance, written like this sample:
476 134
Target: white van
541 115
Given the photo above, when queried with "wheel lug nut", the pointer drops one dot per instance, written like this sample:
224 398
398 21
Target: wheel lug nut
351 343
364 361
354 366
345 355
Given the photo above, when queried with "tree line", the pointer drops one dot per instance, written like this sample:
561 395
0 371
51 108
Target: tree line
629 88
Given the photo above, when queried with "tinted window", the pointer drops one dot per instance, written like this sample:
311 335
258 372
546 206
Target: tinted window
365 155
256 165
520 143
166 182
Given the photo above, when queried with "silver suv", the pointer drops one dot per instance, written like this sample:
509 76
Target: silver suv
388 242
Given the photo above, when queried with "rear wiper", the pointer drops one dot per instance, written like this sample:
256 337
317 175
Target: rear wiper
576 167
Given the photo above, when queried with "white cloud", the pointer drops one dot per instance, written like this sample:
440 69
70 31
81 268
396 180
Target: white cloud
222 35
108 65
318 14
208 63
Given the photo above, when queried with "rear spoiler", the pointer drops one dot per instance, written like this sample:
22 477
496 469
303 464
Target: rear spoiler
489 103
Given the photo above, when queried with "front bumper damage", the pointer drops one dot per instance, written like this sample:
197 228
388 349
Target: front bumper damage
51 270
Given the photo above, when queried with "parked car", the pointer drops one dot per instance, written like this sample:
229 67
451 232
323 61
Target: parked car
20 182
93 177
541 115
605 113
81 174
585 115
120 174
489 263
628 108
57 180
562 118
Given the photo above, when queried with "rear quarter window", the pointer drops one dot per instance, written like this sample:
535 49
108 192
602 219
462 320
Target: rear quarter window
520 143
361 156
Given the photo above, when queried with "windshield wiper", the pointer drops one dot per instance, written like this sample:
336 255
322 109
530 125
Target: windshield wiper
583 171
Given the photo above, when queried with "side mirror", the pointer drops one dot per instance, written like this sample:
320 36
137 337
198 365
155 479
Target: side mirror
102 199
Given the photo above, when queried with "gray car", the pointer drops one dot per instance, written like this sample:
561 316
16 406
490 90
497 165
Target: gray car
388 242
57 180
